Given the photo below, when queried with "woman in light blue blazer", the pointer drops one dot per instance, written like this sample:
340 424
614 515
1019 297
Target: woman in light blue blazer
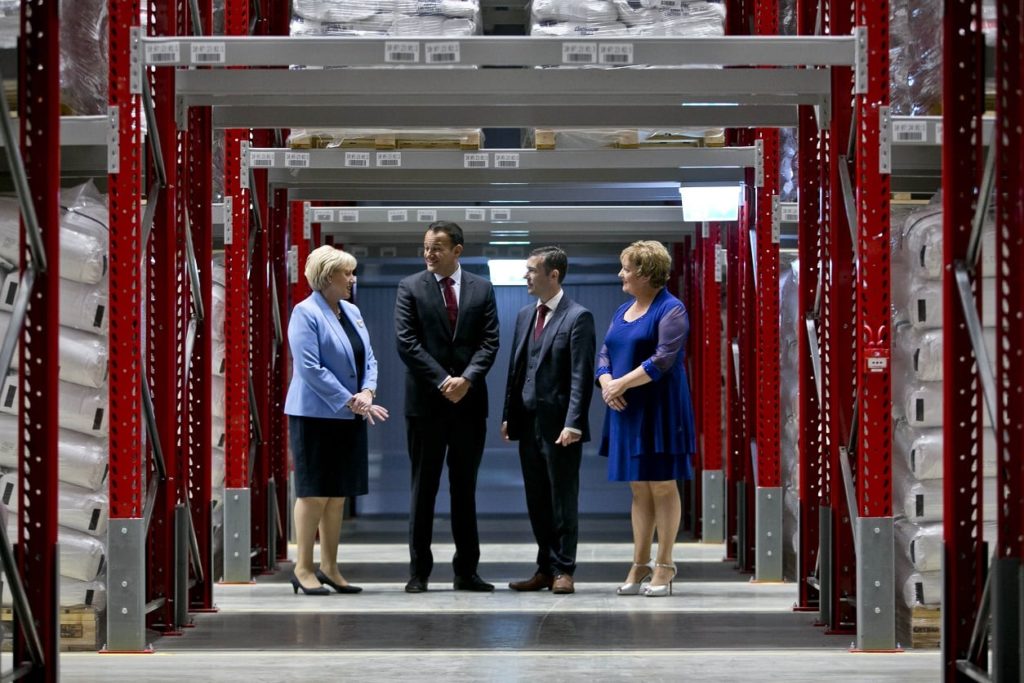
330 400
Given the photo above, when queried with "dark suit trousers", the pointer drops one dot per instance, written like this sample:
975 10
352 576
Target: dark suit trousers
431 439
552 477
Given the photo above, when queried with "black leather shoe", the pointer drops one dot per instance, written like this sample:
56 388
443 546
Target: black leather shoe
472 583
347 588
416 585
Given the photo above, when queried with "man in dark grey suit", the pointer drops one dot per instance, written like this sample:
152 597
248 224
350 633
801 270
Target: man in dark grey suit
547 401
446 321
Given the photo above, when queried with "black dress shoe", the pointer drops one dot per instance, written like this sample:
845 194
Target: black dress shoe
416 585
472 583
347 588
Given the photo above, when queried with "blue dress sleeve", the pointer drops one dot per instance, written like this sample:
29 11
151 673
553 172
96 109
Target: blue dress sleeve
604 361
673 328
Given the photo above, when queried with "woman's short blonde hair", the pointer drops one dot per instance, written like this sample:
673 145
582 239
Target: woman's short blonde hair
323 261
650 259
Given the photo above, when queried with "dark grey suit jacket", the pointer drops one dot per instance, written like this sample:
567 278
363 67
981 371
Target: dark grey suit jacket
565 374
431 352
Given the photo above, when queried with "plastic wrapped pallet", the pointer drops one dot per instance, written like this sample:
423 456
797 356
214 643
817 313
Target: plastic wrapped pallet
450 18
922 244
922 588
82 306
82 459
219 360
82 356
77 508
218 432
386 138
922 501
921 404
84 210
81 409
84 61
81 555
924 308
82 257
789 165
217 317
923 543
620 18
73 593
921 451
921 351
218 393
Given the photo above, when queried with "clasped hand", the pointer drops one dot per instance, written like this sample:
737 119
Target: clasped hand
612 392
455 388
362 404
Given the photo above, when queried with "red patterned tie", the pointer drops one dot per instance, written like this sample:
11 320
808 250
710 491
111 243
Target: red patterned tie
449 301
542 313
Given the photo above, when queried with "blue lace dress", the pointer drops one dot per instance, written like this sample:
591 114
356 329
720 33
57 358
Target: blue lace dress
654 437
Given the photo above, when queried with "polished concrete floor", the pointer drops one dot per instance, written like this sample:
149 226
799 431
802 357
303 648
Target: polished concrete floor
717 625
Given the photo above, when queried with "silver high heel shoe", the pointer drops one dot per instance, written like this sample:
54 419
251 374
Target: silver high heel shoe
636 587
661 591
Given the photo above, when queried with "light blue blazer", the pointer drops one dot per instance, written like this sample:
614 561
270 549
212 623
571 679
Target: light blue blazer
323 363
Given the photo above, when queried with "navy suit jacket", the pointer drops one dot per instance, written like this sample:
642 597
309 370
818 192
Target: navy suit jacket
565 371
431 352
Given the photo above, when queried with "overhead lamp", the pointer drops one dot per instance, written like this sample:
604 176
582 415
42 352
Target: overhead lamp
507 271
707 203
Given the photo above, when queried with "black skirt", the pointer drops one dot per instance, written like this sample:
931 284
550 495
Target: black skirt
330 456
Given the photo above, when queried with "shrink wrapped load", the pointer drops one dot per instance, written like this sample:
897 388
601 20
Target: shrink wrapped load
83 356
219 361
920 351
83 258
218 432
924 307
921 451
82 459
789 165
386 138
74 593
82 306
451 18
81 555
922 588
81 409
921 501
217 318
77 508
84 64
921 249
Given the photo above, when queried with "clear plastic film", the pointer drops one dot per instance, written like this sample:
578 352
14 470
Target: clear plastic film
79 408
451 18
77 508
84 63
83 257
83 356
568 18
918 452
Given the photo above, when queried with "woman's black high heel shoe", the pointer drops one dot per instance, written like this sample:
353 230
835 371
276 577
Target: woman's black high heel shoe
347 588
296 585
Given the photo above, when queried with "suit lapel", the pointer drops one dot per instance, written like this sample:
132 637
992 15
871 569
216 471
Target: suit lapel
552 325
435 297
335 326
463 299
522 330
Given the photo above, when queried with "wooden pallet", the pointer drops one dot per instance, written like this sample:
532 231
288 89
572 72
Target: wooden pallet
81 628
925 627
547 138
469 140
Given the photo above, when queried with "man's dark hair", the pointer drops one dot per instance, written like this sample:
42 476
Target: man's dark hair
449 228
553 258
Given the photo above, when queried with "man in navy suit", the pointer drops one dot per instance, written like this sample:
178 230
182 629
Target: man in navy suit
446 321
547 402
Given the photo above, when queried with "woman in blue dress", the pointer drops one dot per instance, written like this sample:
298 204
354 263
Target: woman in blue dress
649 427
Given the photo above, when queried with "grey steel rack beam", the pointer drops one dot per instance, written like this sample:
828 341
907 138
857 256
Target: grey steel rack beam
917 151
507 193
83 141
221 51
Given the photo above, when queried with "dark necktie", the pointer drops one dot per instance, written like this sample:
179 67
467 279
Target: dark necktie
449 301
538 329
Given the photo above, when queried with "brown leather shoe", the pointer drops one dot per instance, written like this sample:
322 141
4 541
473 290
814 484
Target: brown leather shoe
563 584
537 582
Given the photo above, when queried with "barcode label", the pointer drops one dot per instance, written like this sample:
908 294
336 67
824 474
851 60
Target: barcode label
616 54
790 212
323 216
403 52
348 216
501 214
426 215
506 160
910 131
229 233
938 133
442 53
293 265
579 53
261 159
671 4
476 160
476 214
163 53
296 159
398 216
389 159
357 159
208 53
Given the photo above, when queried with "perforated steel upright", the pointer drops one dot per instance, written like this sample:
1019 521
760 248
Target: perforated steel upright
713 478
768 496
965 559
1007 598
237 502
36 543
126 590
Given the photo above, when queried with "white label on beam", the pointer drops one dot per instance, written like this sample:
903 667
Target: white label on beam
401 52
348 216
579 53
323 215
476 160
506 160
442 53
938 133
296 159
790 212
904 131
476 214
229 233
208 53
389 159
615 54
163 53
501 214
426 215
357 159
293 264
398 216
261 159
